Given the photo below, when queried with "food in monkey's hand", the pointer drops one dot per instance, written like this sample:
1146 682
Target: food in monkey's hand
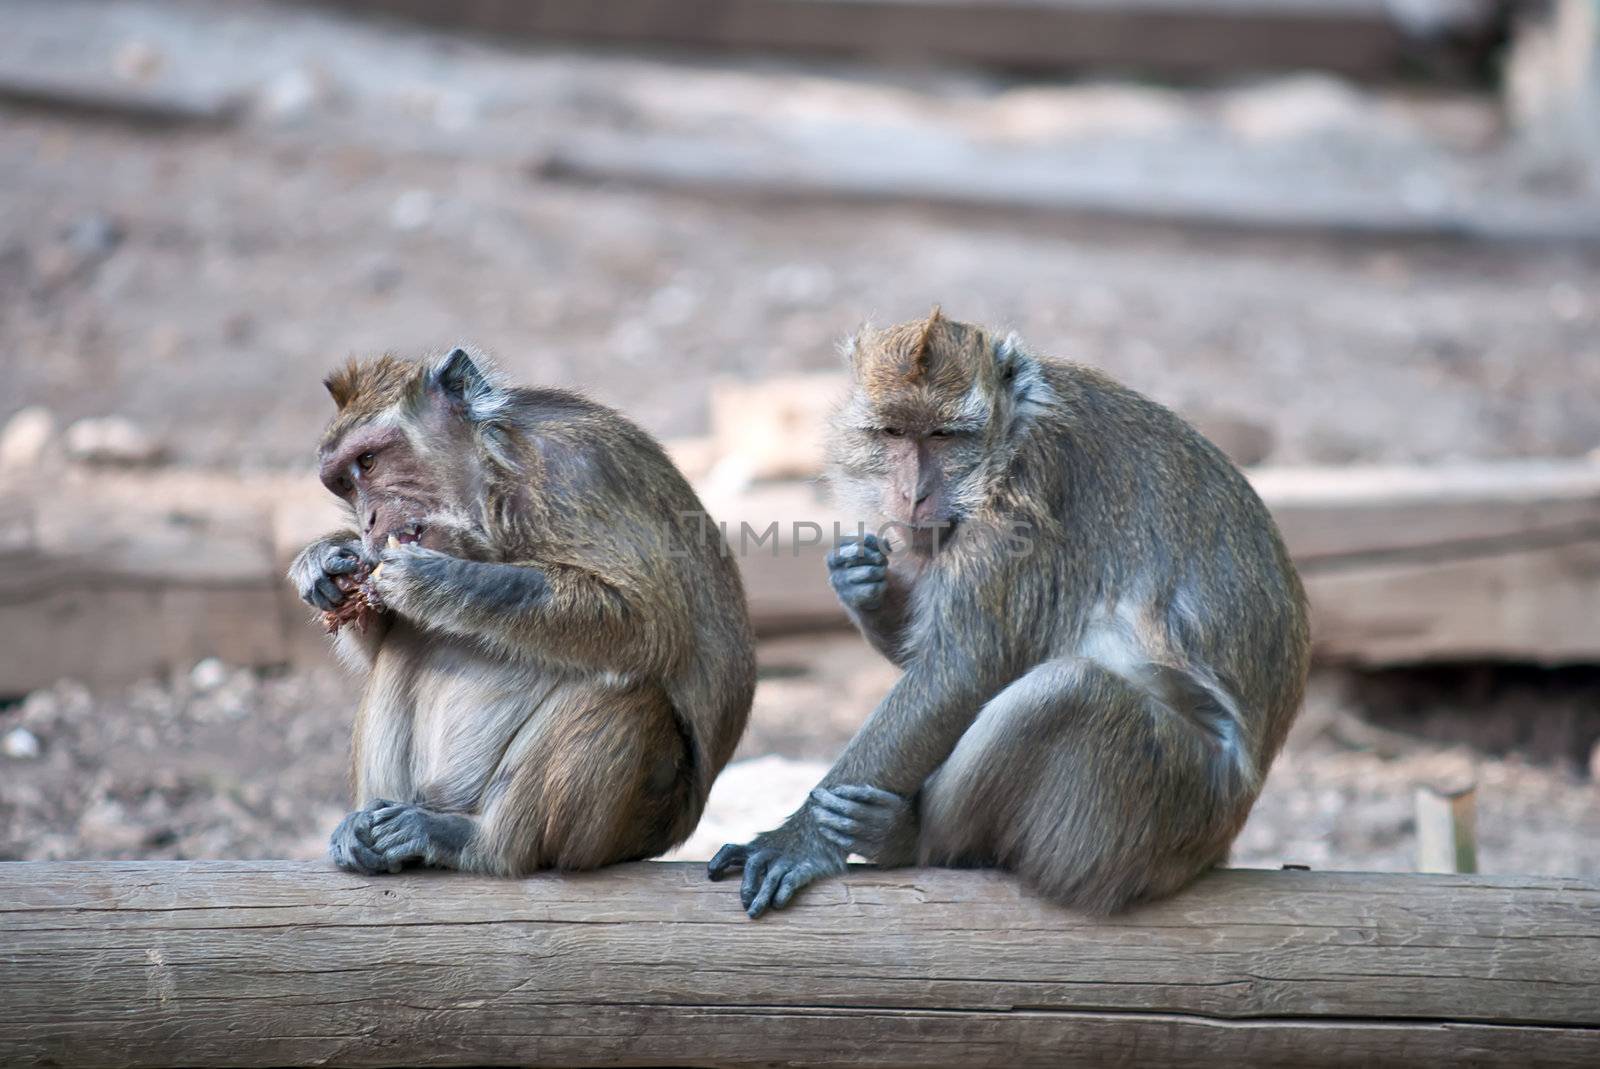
361 604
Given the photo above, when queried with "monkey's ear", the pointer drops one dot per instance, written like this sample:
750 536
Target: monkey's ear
847 350
459 380
457 377
1008 356
850 347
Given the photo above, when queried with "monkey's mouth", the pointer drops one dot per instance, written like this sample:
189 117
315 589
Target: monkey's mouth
406 534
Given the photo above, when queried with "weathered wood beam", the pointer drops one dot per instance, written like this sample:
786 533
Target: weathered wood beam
283 963
1356 38
1498 561
152 571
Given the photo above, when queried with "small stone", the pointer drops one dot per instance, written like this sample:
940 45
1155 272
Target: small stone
41 708
208 675
26 439
95 234
21 744
293 94
455 111
112 440
138 61
412 210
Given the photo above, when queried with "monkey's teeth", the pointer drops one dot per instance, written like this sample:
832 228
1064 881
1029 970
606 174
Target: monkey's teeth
393 543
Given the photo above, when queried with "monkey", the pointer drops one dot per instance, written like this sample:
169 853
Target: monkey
564 660
1102 640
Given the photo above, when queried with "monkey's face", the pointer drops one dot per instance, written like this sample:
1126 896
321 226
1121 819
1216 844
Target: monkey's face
912 464
405 463
912 442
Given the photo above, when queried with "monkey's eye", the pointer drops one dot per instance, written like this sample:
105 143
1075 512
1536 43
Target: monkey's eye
365 461
940 433
893 432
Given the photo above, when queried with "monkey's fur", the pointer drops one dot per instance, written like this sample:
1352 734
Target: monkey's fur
1102 652
565 661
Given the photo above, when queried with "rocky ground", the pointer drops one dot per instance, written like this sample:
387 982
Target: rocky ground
222 763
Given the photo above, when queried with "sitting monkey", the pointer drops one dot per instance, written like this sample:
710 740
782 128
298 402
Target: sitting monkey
1102 637
563 662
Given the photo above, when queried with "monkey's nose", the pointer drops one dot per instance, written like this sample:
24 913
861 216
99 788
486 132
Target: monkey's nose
372 520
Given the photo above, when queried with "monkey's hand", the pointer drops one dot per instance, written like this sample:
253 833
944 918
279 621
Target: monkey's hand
879 825
409 578
778 863
315 572
859 572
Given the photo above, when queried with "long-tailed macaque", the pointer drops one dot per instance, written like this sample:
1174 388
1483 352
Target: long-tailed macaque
1102 637
563 661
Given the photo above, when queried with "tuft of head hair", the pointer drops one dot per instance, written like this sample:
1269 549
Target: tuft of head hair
920 344
371 384
363 388
936 353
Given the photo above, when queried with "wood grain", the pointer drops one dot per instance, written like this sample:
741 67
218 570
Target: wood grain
279 963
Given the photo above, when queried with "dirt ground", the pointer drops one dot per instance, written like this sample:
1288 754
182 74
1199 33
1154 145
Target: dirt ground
245 766
203 279
384 189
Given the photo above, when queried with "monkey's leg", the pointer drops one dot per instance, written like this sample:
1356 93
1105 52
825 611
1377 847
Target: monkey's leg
600 775
1097 790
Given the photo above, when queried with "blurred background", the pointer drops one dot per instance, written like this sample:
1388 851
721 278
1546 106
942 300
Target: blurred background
1357 242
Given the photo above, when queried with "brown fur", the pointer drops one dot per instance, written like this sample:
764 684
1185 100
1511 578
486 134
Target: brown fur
548 670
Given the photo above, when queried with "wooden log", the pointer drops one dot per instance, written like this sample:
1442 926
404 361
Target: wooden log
281 963
1361 39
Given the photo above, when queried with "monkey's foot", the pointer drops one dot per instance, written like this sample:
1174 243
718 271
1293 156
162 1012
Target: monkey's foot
879 825
402 833
350 846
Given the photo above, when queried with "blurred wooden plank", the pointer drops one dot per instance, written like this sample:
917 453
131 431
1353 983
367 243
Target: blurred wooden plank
125 575
1362 39
103 97
1498 561
784 165
294 963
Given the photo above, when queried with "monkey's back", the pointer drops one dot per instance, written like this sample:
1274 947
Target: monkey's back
1154 517
638 512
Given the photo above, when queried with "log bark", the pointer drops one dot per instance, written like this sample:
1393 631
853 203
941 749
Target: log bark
285 963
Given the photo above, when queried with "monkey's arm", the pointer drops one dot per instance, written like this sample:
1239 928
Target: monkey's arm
909 735
556 610
876 598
